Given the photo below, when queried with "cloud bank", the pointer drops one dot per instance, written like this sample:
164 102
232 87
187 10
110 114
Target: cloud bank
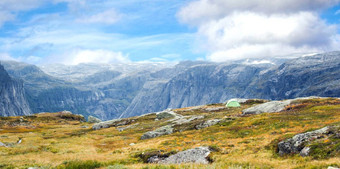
90 56
10 8
109 16
229 29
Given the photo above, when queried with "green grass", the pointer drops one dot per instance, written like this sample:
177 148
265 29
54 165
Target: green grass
80 165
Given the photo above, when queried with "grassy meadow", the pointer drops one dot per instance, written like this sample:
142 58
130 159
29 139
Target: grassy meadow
53 141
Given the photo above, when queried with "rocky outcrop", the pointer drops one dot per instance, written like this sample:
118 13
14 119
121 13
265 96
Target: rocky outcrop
165 130
111 123
197 155
273 106
207 123
92 119
179 120
165 114
269 107
297 143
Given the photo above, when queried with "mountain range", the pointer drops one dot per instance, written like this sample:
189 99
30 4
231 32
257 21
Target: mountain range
110 91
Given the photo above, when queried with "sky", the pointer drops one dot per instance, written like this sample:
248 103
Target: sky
124 31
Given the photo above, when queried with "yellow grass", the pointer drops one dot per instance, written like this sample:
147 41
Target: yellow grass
243 143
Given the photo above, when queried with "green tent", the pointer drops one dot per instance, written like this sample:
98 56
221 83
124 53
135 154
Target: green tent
232 103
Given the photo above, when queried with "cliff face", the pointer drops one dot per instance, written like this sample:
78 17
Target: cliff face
317 75
12 96
197 85
113 91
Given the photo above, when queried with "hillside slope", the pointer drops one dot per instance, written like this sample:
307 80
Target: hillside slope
236 140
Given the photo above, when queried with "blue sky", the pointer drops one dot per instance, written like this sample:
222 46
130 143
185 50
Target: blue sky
106 31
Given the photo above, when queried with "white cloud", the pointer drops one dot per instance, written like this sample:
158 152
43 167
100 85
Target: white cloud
88 56
107 17
5 16
257 62
6 56
229 29
337 12
10 8
200 11
73 5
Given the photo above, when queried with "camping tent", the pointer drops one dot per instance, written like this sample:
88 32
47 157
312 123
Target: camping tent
232 103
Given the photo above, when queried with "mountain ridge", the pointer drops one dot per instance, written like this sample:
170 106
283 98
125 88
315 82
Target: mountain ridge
113 91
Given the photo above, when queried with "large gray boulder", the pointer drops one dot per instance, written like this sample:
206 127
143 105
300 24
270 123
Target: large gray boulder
111 123
165 130
297 143
269 107
273 106
92 119
207 123
197 155
165 114
179 120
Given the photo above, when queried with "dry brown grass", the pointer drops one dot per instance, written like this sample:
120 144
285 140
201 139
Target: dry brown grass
243 141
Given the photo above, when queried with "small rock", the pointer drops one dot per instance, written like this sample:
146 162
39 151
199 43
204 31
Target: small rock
66 112
3 144
127 127
212 109
132 144
155 159
19 141
33 168
165 130
92 119
305 152
84 127
197 155
331 167
207 124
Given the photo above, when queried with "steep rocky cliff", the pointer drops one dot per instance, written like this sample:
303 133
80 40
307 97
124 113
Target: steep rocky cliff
12 96
110 91
317 75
